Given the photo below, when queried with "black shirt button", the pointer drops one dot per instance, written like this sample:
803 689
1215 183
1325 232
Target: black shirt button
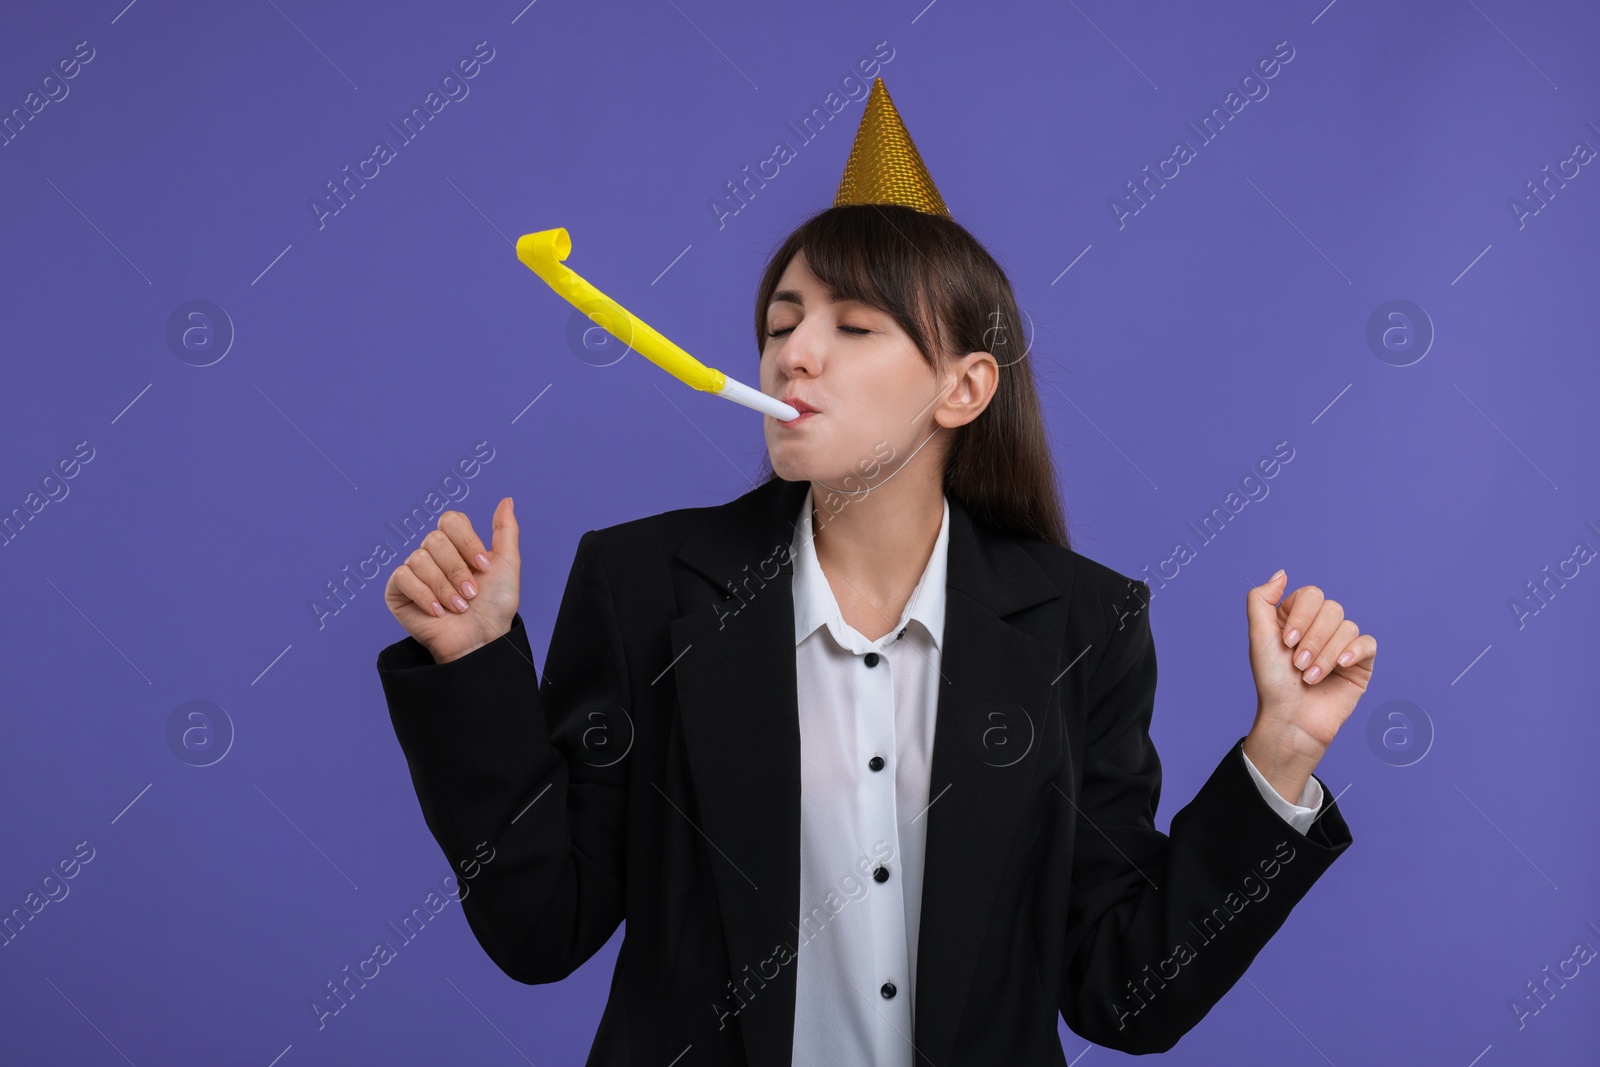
901 634
881 874
872 659
887 990
876 763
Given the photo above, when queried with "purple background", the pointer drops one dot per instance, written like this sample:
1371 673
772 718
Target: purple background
373 352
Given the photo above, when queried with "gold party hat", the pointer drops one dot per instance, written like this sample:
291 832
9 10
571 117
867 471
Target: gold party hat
884 166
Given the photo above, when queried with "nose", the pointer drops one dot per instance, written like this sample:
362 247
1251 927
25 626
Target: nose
799 353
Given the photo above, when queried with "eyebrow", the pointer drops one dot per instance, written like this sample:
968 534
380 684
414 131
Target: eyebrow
792 296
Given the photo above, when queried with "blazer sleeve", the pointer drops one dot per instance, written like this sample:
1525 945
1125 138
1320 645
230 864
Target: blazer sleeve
1160 928
524 784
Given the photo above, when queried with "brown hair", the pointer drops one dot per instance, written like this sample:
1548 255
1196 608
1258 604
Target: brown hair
948 293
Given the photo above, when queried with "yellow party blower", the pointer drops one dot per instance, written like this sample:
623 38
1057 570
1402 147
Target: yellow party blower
543 252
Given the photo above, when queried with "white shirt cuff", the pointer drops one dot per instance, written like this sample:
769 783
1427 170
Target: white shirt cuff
1300 815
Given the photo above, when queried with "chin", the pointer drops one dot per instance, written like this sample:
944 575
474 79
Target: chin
788 467
816 461
798 464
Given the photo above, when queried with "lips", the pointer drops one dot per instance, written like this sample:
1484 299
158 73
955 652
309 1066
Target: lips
799 405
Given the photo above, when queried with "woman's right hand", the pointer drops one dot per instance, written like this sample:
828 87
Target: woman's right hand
452 564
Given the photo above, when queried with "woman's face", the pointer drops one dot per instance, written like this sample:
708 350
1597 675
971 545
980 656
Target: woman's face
875 397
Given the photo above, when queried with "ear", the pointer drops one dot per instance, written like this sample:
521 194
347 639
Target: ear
970 384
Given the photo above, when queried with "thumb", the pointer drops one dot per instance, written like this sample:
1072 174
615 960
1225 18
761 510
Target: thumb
1262 606
506 532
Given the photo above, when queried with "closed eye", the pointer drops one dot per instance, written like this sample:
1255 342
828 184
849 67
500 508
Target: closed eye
856 330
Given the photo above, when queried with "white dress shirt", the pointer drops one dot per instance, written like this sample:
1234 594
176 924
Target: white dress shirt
866 749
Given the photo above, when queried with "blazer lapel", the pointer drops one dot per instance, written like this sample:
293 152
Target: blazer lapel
739 709
995 687
734 669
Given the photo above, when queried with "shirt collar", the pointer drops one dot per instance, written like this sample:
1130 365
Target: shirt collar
815 604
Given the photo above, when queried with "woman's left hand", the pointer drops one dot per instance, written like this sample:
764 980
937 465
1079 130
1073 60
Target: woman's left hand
1311 665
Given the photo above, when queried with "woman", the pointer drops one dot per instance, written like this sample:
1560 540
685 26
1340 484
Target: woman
924 831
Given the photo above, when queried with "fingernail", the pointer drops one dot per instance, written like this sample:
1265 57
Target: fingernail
1345 658
468 588
1275 575
1302 659
1291 637
437 610
482 561
1313 674
458 603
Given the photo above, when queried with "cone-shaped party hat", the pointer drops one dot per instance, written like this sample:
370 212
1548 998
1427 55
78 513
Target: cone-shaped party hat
884 166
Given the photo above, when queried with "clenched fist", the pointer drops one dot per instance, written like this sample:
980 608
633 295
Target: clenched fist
1311 665
454 595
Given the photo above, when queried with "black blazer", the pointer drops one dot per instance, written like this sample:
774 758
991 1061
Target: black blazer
653 775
